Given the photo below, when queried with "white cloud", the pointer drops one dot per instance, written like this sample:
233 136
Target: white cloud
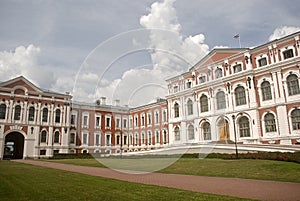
24 61
283 31
170 53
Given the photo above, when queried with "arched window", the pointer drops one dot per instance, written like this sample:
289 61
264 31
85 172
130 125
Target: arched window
218 73
293 84
270 123
221 102
206 131
31 114
143 138
240 96
244 127
56 137
176 110
156 118
157 137
2 111
266 91
45 115
190 107
191 133
17 112
177 133
203 103
44 136
296 119
57 116
136 138
149 138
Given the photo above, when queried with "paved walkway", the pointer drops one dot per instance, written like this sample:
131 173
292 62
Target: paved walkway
245 188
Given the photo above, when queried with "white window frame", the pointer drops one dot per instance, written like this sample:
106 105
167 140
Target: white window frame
95 141
97 115
85 114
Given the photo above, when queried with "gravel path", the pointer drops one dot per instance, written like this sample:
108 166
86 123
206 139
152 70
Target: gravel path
245 188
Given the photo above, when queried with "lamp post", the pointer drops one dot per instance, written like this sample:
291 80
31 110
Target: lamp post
235 142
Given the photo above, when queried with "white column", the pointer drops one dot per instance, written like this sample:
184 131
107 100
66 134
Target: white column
11 110
271 54
38 114
276 53
282 117
252 93
280 88
248 62
24 112
51 114
297 45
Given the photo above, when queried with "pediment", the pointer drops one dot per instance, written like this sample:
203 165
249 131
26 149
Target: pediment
20 85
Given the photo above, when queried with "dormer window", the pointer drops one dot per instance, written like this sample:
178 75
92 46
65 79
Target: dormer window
237 68
262 62
288 54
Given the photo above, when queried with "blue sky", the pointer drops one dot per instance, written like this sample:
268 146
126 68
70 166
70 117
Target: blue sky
48 41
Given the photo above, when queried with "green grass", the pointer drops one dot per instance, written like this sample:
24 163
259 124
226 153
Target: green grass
27 182
243 168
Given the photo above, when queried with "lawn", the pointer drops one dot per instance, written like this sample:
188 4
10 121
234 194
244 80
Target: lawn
27 182
243 168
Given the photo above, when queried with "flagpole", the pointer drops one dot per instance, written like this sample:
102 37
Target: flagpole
240 41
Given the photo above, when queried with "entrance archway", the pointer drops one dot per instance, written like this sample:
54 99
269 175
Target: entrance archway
223 127
14 146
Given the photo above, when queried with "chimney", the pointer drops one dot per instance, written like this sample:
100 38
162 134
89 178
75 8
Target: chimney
117 102
103 100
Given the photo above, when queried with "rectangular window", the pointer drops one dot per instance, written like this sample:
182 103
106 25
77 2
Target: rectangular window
107 140
125 123
107 122
43 152
117 123
85 120
118 140
237 68
288 54
262 62
175 89
73 119
97 123
97 141
136 121
164 116
188 85
72 138
202 79
125 140
84 138
149 119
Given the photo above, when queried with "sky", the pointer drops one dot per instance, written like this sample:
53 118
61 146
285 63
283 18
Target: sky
126 49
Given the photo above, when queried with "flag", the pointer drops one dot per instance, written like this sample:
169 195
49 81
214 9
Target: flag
236 36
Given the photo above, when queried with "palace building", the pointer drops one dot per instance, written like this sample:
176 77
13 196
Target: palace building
243 95
247 95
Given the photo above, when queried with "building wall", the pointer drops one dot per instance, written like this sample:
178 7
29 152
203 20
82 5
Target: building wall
248 94
248 117
20 93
